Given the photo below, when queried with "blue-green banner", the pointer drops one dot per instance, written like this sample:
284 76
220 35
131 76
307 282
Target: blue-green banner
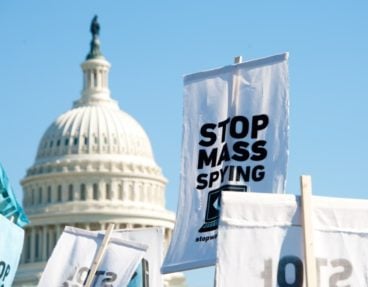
9 206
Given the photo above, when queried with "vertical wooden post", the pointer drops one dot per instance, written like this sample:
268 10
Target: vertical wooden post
310 261
99 255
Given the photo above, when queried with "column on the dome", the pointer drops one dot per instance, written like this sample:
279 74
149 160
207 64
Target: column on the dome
95 79
99 79
162 196
50 241
90 79
114 190
126 190
89 191
76 191
38 253
44 243
135 193
101 188
104 82
33 244
85 80
64 194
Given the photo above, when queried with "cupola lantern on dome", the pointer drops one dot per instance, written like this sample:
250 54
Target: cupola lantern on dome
95 73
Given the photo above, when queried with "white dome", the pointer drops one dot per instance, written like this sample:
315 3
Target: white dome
95 143
94 130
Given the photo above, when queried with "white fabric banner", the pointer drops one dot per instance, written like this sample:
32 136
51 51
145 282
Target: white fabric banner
11 244
152 259
73 256
260 241
235 137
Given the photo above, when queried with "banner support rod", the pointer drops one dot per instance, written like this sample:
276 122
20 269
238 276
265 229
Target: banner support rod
235 88
238 59
99 255
310 261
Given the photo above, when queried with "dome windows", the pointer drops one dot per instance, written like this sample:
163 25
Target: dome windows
59 193
33 196
39 201
95 191
108 191
71 192
49 194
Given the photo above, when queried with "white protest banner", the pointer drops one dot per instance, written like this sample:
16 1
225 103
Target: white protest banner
235 138
73 256
11 244
149 269
260 241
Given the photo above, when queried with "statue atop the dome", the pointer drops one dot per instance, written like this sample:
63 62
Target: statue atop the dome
95 52
95 27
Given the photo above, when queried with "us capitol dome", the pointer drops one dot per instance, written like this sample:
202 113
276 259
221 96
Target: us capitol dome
94 166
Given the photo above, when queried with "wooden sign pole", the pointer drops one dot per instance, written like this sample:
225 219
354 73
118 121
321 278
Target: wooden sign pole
99 255
310 261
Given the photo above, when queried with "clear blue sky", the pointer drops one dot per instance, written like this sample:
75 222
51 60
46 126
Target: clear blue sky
152 44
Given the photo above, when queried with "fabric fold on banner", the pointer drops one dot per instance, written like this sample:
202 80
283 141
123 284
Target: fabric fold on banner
73 255
235 138
148 272
275 247
11 244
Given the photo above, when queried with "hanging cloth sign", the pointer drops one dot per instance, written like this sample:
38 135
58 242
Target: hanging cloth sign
235 138
148 271
260 241
11 244
72 258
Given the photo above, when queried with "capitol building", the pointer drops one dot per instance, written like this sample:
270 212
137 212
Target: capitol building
94 166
